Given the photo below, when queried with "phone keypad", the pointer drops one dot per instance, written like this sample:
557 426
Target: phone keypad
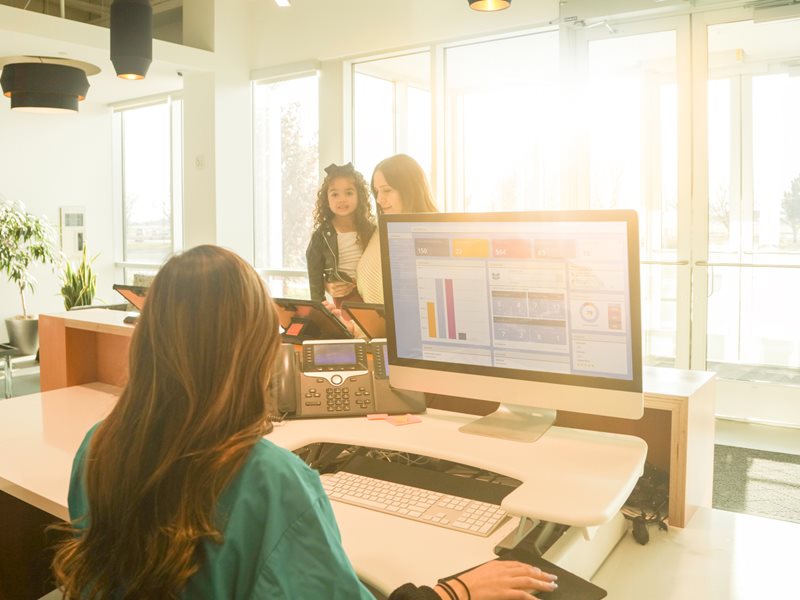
338 399
344 398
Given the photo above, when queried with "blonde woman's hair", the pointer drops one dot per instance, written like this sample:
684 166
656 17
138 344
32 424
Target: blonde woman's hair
194 407
406 176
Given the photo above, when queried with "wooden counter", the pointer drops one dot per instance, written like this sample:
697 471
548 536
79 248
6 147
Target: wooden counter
83 347
678 423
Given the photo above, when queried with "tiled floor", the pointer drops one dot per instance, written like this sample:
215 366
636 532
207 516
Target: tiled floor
719 556
25 377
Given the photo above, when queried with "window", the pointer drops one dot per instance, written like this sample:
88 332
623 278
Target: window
503 128
150 164
632 127
286 172
392 110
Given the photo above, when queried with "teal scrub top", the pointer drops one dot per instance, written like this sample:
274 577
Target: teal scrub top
280 536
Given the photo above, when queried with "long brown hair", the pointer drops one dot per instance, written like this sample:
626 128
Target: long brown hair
405 175
364 219
194 407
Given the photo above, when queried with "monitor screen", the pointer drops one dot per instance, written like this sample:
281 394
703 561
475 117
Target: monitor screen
536 309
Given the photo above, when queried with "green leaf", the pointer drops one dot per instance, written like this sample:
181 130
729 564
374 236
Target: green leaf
25 239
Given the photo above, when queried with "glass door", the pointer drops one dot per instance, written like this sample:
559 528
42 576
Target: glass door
633 150
752 269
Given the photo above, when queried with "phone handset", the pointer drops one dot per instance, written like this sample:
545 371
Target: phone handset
388 398
284 383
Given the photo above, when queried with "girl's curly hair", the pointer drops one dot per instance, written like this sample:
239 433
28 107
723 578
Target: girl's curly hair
364 219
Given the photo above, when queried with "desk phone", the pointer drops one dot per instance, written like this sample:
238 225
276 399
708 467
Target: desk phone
335 378
338 378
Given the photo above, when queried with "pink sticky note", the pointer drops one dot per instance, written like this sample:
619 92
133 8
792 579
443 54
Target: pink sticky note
377 416
404 419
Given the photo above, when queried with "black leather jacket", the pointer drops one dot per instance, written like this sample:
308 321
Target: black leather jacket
322 260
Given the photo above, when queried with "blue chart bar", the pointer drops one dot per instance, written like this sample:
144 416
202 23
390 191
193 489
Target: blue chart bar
440 310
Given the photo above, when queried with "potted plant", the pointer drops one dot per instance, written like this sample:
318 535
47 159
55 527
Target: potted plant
25 240
79 283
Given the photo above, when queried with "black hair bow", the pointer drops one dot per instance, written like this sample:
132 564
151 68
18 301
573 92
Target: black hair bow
334 169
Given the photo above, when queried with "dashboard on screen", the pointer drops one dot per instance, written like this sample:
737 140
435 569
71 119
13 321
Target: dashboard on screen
547 297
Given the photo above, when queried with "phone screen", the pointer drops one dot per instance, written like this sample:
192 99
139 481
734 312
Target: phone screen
334 354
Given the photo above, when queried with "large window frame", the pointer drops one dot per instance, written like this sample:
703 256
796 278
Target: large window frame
395 71
268 215
132 268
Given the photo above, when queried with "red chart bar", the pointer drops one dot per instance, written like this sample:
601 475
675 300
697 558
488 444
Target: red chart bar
451 309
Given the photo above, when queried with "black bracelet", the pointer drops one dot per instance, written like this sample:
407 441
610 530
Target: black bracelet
446 587
469 596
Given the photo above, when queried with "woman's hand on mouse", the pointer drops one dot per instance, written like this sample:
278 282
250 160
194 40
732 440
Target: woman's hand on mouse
499 580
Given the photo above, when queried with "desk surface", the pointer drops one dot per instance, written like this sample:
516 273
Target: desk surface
570 476
97 319
39 435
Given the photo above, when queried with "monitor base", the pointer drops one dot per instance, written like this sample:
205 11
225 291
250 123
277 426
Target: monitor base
513 422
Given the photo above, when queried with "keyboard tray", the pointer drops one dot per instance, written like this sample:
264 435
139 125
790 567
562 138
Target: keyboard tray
428 479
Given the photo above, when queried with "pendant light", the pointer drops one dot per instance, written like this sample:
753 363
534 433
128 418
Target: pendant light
131 37
45 84
489 5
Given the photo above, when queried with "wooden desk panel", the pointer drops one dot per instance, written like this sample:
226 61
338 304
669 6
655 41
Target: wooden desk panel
39 435
90 347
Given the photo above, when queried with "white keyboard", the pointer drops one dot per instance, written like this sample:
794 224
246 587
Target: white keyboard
453 512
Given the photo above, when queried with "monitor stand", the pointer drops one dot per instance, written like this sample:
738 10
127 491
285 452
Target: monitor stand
513 422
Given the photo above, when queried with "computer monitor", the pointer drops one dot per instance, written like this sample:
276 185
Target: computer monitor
537 310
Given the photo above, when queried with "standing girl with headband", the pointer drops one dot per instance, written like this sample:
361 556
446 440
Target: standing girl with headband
343 225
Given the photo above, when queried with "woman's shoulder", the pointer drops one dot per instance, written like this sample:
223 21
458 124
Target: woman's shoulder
270 462
269 476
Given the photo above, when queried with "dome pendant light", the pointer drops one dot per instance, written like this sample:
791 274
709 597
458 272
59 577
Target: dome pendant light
131 37
489 5
45 84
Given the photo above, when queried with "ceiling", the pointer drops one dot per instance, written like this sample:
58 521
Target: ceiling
166 13
105 87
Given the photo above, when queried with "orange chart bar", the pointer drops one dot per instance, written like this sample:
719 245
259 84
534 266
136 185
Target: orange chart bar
471 248
431 320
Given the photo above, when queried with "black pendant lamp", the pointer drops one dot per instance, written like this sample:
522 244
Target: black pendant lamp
131 37
489 5
44 87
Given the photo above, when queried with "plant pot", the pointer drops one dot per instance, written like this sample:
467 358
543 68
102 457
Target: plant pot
23 334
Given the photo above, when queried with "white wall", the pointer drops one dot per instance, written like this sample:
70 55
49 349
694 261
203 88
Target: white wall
218 141
233 127
48 161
